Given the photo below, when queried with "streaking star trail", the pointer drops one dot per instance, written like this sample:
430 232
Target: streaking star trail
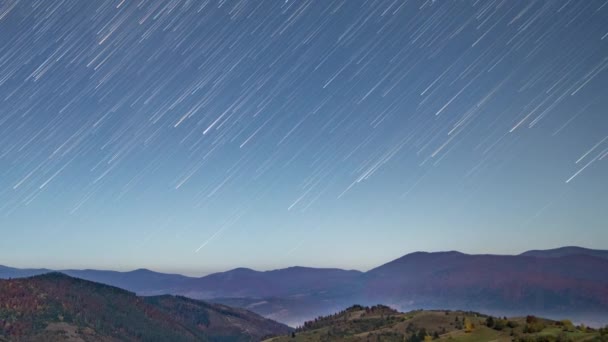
292 131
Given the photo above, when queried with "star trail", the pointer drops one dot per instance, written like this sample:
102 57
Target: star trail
196 136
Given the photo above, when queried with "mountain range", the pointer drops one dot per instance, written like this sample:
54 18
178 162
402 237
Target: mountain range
565 282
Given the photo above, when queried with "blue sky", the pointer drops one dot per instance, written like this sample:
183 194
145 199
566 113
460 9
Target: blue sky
194 137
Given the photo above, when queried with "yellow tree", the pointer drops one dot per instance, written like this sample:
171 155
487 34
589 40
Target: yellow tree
468 326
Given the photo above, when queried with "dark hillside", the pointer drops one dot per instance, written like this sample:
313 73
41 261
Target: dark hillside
54 306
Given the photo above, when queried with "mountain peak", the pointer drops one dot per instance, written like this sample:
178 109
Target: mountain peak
240 270
51 276
142 270
426 255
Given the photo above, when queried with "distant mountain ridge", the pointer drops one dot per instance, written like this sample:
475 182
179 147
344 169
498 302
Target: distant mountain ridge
551 283
55 306
567 251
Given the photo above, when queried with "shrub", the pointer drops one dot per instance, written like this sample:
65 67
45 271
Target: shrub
512 324
490 322
534 327
500 324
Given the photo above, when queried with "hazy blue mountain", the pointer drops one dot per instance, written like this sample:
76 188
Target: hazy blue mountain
11 272
492 282
567 251
242 282
141 281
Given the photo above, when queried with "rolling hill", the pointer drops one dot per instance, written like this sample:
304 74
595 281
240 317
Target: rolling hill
384 324
54 307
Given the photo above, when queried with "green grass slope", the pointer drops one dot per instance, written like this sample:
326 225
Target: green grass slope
380 323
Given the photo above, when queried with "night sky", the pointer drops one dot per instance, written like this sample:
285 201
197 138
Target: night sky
199 136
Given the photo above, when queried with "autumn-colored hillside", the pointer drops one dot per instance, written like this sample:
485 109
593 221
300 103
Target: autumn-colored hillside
55 307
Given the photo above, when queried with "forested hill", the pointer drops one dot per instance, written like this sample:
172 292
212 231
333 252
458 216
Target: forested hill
54 306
